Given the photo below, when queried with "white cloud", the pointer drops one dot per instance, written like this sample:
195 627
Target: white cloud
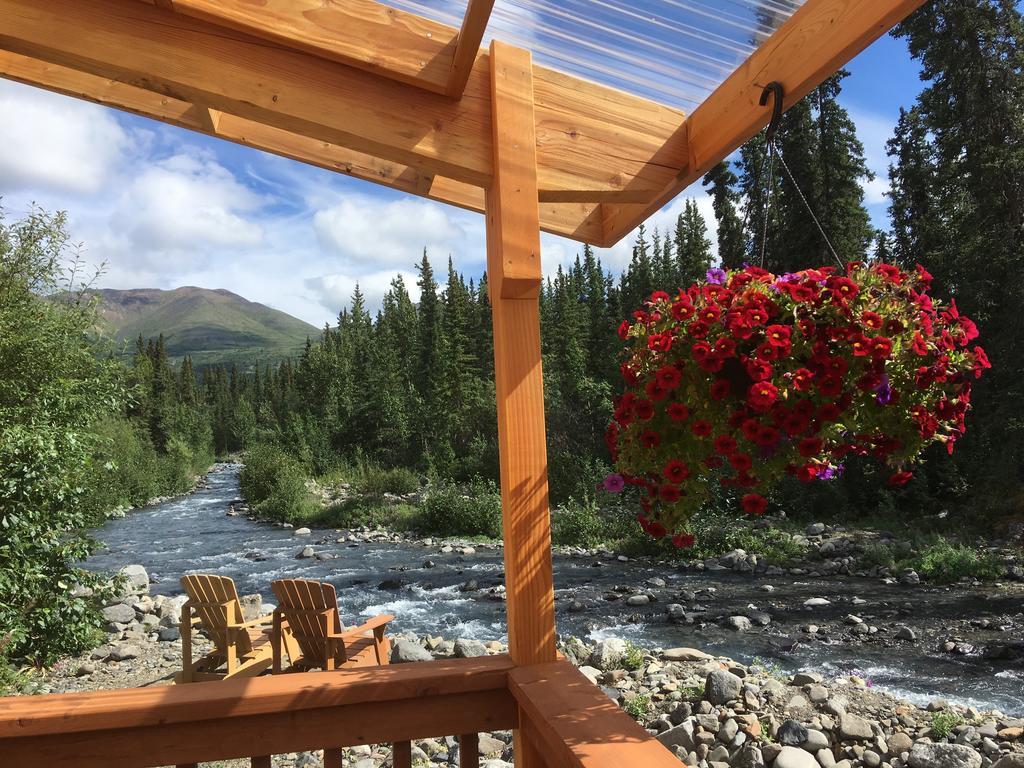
53 143
369 231
335 290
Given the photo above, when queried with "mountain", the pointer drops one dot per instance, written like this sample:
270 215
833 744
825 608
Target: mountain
211 326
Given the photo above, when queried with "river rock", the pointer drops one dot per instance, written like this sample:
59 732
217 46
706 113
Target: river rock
815 741
655 581
791 733
137 578
722 687
306 552
403 651
251 605
1013 760
815 529
900 742
906 633
119 613
390 584
124 652
792 757
817 602
806 678
680 736
737 623
637 600
685 654
468 649
607 653
925 754
301 532
852 728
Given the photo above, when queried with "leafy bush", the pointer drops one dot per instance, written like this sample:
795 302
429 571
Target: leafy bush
584 524
359 512
54 391
275 484
878 554
943 723
639 707
376 481
944 562
450 510
633 658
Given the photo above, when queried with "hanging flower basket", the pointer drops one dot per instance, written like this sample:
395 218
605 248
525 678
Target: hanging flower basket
749 377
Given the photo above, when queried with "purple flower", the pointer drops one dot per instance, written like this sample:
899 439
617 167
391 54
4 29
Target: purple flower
831 473
716 276
884 391
613 483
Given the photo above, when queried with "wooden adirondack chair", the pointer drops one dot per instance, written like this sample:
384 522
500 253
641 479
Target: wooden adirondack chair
308 610
243 647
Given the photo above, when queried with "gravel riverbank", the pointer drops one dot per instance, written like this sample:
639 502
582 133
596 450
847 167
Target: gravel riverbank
711 711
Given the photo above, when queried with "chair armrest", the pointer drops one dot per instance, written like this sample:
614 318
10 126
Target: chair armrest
370 624
258 621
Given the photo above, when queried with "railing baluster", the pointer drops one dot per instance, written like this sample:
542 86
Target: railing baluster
333 759
469 750
263 761
401 754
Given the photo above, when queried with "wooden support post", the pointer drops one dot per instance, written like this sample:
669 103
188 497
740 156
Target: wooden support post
333 758
401 754
514 275
469 750
261 761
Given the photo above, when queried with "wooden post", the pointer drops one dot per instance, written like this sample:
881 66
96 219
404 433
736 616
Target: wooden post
514 277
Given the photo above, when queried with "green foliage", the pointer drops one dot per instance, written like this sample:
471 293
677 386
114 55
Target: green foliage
376 481
944 562
633 658
586 525
53 394
275 484
360 512
451 510
639 707
944 721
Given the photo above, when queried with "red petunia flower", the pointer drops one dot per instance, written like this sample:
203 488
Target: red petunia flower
871 320
754 504
720 389
725 444
810 446
701 427
676 471
762 395
644 409
624 327
668 376
900 478
677 412
741 462
650 439
759 370
802 379
669 494
660 342
655 391
683 540
807 473
843 288
683 310
659 296
778 335
881 348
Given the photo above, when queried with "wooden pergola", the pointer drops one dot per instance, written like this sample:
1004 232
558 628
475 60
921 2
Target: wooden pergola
397 99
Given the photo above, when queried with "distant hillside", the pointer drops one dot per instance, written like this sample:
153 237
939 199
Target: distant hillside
211 326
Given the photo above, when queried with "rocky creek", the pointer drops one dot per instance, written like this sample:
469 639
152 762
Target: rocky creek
964 643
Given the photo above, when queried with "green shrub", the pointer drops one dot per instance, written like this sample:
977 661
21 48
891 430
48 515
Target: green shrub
639 707
944 562
633 658
581 525
943 723
376 481
359 512
275 484
450 510
878 554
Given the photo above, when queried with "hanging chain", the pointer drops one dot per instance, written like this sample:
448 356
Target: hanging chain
810 210
771 151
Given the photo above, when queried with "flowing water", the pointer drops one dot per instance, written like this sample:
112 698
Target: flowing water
194 533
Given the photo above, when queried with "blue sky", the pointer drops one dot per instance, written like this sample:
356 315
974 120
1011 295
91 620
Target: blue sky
164 207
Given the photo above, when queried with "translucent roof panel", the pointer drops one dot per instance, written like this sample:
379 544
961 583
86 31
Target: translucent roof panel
672 51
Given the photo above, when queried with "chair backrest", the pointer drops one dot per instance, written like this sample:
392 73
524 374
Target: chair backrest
214 600
311 610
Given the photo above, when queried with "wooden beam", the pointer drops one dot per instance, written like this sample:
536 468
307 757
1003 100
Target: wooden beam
513 273
360 33
818 39
474 23
514 277
590 139
577 725
579 221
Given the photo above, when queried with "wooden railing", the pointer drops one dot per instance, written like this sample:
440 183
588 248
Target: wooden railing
569 721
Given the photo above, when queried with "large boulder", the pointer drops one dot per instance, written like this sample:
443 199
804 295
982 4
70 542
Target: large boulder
722 687
468 649
925 754
685 654
608 653
854 728
793 757
251 605
136 578
119 613
403 651
680 736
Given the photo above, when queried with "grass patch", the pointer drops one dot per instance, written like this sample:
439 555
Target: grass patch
366 512
934 559
451 510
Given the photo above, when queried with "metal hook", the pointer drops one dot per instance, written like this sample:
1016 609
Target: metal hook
775 89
